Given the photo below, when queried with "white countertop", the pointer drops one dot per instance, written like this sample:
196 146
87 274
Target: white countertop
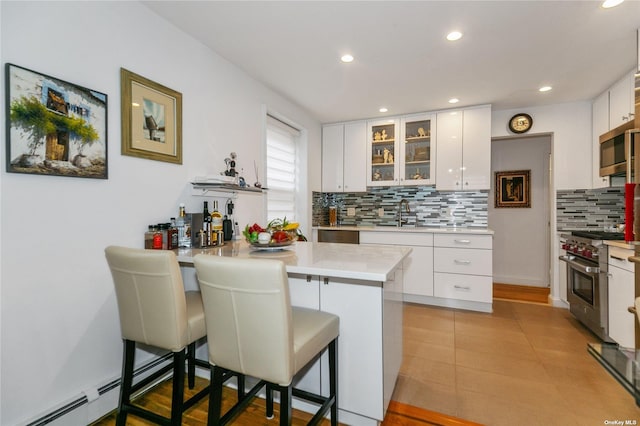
351 261
414 229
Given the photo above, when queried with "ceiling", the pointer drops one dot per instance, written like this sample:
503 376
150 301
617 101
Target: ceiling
402 59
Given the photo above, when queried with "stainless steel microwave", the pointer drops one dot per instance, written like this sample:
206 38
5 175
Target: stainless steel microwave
617 151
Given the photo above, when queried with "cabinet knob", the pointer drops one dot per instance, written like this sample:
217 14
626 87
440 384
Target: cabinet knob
625 118
631 114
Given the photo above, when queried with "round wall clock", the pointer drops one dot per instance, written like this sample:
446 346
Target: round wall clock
520 123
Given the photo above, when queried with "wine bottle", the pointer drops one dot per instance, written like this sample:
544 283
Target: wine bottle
184 237
216 224
206 223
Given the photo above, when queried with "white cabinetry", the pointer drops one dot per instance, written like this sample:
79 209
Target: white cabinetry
600 125
621 297
462 266
370 318
343 157
418 266
400 151
383 152
463 156
621 101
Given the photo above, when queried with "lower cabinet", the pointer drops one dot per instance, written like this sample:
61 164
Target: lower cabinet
444 269
418 266
463 269
621 297
370 342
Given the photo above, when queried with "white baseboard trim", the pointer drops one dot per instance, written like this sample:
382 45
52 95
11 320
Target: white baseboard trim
93 404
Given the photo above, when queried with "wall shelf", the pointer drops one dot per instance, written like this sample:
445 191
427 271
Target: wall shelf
223 190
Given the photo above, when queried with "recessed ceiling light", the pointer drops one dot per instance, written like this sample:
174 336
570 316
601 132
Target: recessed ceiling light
545 88
606 4
454 100
454 35
346 58
383 109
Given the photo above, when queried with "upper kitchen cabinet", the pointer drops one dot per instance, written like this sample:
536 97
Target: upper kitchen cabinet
344 157
622 101
400 151
383 152
463 156
417 148
600 125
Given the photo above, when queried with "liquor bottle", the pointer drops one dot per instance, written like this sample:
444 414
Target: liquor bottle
173 235
206 223
216 224
184 237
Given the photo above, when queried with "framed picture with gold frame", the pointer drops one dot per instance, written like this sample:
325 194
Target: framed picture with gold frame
151 119
512 189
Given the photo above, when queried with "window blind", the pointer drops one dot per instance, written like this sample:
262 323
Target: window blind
281 169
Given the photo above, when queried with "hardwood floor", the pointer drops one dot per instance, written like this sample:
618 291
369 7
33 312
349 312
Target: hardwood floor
521 293
159 401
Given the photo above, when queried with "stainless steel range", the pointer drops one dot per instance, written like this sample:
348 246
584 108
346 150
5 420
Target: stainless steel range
587 269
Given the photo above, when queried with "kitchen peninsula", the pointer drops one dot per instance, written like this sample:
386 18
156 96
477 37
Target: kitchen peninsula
363 286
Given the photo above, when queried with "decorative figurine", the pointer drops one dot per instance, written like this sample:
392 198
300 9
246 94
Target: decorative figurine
385 156
384 134
376 136
231 165
421 132
255 167
377 175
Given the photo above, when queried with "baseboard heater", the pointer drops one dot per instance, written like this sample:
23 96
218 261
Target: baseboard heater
82 400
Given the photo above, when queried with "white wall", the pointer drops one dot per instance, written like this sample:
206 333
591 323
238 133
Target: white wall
60 330
570 128
529 263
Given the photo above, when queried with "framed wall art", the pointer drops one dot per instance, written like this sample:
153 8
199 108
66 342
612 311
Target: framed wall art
512 189
54 127
151 119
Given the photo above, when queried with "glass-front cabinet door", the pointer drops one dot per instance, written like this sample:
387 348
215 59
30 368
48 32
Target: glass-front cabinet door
417 150
383 154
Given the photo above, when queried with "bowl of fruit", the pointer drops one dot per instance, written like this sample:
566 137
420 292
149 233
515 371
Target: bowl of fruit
278 233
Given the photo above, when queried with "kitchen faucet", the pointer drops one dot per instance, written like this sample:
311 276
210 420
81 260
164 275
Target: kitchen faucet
407 209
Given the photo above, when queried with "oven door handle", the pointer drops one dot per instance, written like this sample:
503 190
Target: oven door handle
577 265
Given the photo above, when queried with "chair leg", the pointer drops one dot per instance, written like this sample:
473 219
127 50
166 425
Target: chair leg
240 379
177 399
128 358
333 380
285 405
191 364
215 396
269 402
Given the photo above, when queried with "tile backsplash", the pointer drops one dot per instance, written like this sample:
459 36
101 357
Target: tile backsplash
575 209
589 208
428 207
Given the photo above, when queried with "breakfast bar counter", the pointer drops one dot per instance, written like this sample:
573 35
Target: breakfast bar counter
326 259
362 285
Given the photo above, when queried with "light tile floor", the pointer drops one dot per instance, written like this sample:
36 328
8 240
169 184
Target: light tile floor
524 364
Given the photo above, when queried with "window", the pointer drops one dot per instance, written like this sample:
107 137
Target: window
281 169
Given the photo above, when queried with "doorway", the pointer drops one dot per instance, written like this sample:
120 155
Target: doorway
521 244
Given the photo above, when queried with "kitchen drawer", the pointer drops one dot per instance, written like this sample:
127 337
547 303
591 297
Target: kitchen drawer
463 240
463 261
463 287
403 238
619 257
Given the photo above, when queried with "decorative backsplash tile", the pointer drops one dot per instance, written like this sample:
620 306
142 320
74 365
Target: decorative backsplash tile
589 208
428 207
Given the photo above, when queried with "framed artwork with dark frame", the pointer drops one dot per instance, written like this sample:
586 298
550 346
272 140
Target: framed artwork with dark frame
513 189
54 127
151 119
